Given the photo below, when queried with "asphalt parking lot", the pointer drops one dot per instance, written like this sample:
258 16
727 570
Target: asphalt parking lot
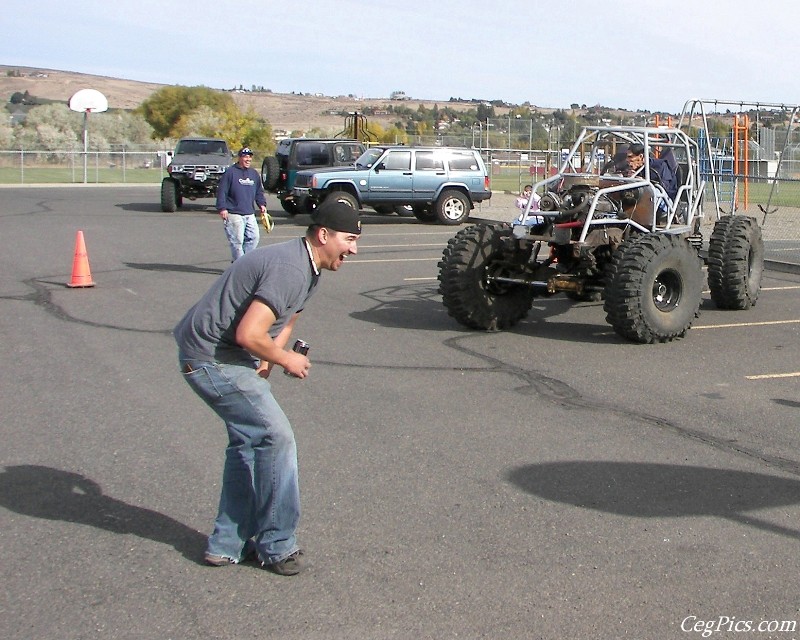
552 481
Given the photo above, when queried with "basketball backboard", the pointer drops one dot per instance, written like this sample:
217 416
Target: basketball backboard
88 100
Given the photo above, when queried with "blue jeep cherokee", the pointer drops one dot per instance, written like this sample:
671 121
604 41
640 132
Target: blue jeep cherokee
439 183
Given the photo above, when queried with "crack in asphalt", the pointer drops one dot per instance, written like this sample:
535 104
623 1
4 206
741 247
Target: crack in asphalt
563 395
42 297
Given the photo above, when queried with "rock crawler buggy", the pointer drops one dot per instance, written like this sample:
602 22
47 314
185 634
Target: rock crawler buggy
604 233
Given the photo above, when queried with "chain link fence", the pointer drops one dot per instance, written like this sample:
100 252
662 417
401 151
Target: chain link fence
121 166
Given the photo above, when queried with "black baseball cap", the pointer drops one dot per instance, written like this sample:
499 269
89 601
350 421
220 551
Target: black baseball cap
245 151
337 216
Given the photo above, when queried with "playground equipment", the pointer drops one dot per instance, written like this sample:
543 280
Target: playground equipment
356 128
729 160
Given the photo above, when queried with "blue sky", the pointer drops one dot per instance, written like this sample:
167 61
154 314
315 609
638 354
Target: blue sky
617 53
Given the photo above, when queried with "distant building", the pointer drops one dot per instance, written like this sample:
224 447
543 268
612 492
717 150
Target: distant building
398 95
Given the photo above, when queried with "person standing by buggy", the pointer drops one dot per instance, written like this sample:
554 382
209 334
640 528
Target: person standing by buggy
228 344
239 188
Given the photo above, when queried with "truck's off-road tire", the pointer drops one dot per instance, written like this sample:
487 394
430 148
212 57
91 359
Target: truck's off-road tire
735 262
452 207
467 259
270 171
169 195
654 290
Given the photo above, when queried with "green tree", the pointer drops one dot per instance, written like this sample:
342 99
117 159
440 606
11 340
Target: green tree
121 128
46 137
6 136
248 129
164 108
374 131
484 112
718 128
395 135
57 116
202 122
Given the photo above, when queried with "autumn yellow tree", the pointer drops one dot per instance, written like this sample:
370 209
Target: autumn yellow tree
164 108
177 112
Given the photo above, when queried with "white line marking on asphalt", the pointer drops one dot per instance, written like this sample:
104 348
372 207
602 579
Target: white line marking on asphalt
744 324
362 261
765 376
394 246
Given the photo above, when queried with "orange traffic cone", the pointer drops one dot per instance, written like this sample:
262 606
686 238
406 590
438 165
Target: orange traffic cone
81 275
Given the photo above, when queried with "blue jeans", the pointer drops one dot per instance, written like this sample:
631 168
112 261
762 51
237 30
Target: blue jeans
260 499
243 234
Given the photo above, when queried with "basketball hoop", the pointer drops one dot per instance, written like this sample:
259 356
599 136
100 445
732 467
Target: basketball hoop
87 101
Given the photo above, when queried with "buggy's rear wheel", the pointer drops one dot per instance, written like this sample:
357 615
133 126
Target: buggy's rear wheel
735 262
469 257
655 289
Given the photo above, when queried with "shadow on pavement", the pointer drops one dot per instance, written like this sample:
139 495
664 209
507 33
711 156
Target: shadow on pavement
54 494
181 268
419 306
649 490
155 207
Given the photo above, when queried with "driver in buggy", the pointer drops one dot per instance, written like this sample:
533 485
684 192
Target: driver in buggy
664 174
663 170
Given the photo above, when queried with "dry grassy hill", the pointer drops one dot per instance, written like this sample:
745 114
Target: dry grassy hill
61 85
283 111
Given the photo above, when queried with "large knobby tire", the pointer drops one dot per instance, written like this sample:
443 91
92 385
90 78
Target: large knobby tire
452 207
654 290
270 171
735 262
471 255
169 195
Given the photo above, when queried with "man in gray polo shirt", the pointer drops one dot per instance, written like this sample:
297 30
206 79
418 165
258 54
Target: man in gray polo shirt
228 345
